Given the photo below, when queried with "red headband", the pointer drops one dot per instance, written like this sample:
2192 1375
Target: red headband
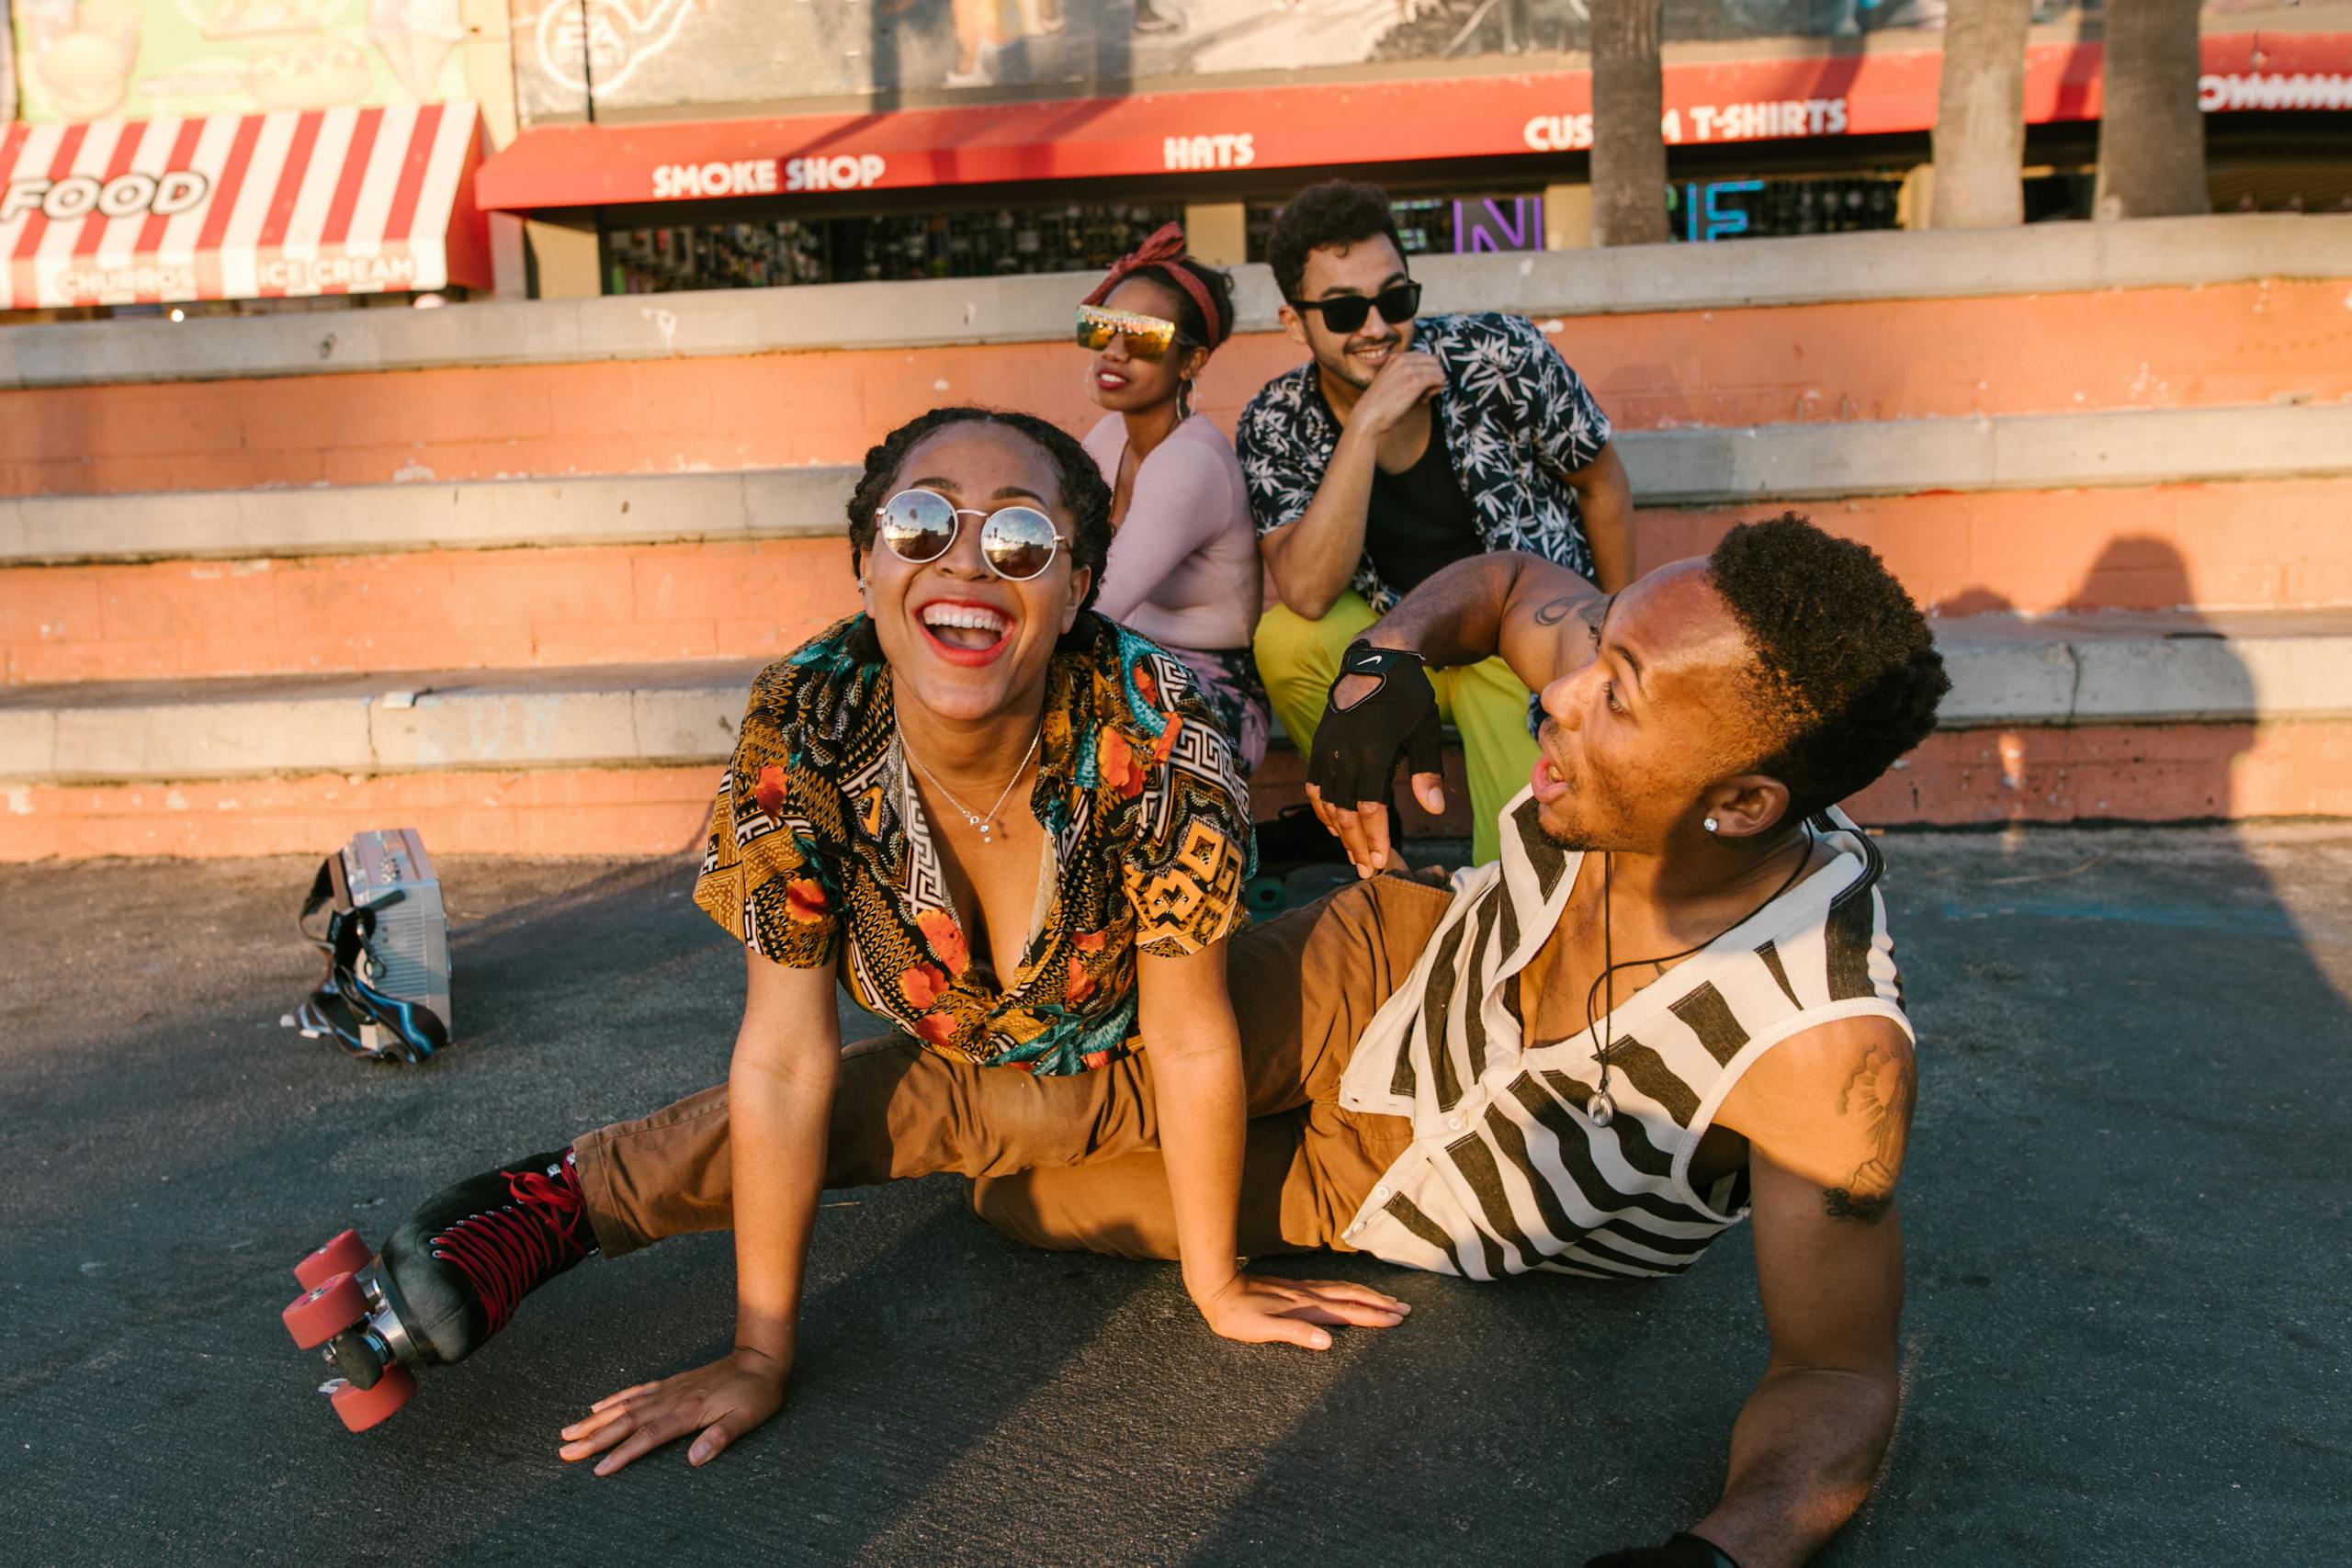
1165 250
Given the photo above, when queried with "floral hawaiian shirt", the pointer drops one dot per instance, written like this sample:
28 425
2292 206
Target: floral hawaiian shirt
1517 422
819 854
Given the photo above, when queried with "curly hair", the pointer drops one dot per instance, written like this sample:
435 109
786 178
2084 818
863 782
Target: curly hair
1084 495
1189 319
1336 212
1848 671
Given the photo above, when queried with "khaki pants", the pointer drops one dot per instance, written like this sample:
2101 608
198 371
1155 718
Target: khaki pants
1073 1163
1299 659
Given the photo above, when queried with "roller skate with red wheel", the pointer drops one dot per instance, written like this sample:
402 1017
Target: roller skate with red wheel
449 1279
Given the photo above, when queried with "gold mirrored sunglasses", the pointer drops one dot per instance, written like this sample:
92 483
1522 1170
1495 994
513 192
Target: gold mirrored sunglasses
1148 337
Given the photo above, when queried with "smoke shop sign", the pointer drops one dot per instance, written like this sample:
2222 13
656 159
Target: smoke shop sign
765 177
740 176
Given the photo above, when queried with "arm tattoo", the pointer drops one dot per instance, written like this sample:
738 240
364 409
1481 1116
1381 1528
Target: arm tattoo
1881 1090
1589 609
1840 1204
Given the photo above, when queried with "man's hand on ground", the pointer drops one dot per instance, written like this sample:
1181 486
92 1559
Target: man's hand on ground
1257 1309
721 1402
1682 1550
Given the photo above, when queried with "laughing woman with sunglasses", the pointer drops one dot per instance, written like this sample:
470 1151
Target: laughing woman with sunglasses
1183 568
1006 826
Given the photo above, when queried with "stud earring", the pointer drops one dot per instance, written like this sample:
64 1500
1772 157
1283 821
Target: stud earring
1712 824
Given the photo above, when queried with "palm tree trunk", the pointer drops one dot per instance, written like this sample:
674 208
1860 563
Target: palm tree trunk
1628 101
1980 117
2151 133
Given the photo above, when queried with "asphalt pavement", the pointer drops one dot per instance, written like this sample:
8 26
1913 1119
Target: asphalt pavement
2126 1207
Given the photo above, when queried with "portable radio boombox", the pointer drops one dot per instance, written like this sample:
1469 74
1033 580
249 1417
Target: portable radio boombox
386 995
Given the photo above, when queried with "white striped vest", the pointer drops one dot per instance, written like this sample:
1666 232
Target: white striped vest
1506 1172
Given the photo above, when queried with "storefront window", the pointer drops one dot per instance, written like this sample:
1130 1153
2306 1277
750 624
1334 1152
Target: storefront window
1733 209
1075 237
1437 225
1762 209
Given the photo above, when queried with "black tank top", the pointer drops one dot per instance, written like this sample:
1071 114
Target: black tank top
1418 522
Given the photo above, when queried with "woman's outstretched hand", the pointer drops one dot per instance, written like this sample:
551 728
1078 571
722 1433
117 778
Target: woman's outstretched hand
720 1402
1261 1310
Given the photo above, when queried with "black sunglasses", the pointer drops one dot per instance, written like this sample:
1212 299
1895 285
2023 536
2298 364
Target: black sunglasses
1399 302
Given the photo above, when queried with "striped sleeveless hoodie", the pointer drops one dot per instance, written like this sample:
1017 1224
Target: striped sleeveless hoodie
1508 1172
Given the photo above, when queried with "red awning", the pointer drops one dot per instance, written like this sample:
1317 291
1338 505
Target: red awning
1328 124
334 201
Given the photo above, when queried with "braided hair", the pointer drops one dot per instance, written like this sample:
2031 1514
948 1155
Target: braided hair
1084 494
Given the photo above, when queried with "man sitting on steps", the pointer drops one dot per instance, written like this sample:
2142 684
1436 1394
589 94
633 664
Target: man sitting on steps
1404 443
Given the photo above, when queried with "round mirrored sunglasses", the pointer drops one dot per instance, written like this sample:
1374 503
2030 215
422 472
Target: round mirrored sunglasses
919 525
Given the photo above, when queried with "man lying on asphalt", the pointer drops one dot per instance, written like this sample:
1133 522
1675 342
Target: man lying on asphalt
1672 1002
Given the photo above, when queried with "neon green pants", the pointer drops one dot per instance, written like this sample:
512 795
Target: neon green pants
1299 659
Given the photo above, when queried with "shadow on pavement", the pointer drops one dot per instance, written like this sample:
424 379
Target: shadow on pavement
2124 1343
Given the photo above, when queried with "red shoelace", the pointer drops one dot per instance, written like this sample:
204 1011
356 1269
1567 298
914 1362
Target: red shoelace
506 1251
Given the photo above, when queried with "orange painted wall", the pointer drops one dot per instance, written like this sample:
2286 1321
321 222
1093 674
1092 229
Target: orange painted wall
2145 348
2258 545
2264 545
428 610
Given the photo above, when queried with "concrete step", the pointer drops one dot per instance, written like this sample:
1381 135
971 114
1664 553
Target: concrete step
2241 508
78 762
1750 467
2094 260
1822 363
2052 318
611 716
2007 672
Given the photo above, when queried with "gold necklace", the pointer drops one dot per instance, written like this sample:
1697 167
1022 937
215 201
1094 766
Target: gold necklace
985 822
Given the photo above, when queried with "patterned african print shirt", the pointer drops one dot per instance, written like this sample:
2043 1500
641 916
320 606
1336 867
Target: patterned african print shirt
819 854
1518 421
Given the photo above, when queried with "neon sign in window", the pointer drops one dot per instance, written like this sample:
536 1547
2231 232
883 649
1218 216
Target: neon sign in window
1706 215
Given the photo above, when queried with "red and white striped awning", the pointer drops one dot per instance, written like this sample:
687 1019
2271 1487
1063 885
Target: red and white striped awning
334 201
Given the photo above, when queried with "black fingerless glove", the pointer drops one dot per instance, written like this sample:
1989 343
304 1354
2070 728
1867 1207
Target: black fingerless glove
1681 1551
1357 748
